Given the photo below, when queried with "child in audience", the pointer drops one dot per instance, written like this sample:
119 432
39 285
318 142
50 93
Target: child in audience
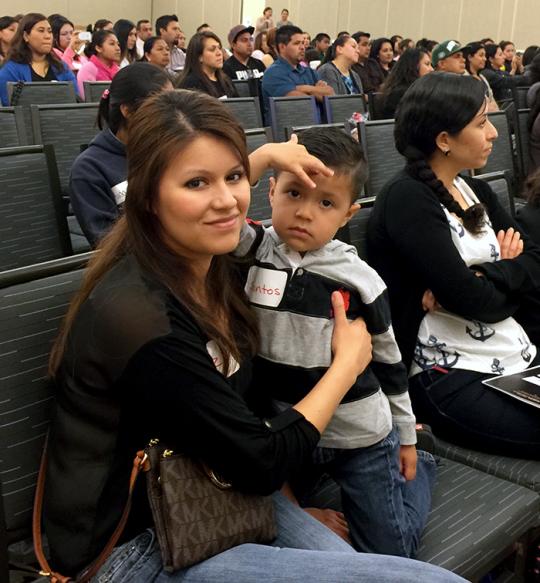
296 266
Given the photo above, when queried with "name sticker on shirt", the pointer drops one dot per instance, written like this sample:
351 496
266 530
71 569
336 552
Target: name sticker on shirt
265 287
119 190
217 357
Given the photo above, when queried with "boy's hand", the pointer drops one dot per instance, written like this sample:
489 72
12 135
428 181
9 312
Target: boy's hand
333 520
407 461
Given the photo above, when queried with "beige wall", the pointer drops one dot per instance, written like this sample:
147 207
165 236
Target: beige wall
462 19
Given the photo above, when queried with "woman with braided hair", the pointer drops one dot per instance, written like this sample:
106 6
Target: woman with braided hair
462 281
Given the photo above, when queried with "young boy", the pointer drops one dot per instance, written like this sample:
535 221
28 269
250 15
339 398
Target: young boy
297 265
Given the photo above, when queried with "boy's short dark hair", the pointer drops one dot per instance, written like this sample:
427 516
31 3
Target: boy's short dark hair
339 151
321 36
163 22
285 33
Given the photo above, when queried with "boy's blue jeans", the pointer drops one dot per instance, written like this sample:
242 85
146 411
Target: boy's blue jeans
386 514
314 554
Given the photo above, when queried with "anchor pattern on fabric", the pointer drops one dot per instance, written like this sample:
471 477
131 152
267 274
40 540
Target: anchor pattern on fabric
479 331
494 253
443 357
496 366
457 228
525 354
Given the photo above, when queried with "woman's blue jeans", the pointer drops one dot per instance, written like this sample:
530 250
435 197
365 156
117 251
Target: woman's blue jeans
305 550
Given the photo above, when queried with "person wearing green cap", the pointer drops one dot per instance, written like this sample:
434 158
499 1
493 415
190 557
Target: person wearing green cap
448 56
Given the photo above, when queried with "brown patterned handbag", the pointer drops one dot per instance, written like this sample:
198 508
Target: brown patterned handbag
196 514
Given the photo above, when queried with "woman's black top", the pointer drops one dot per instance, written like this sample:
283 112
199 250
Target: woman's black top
215 88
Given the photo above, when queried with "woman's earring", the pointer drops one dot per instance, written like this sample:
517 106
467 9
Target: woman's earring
447 153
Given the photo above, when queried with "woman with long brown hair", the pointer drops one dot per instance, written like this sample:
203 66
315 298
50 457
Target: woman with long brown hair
203 70
31 56
158 343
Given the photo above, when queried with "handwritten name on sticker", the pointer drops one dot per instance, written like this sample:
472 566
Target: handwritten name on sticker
265 287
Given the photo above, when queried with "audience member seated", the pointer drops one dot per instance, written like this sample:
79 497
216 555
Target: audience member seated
67 45
363 45
321 42
168 28
8 28
448 57
529 54
533 75
500 81
337 68
395 40
426 44
104 53
203 70
533 123
412 64
512 61
381 60
100 24
98 177
156 51
31 57
264 23
286 77
144 32
262 50
460 278
475 62
284 19
241 65
528 216
141 351
126 33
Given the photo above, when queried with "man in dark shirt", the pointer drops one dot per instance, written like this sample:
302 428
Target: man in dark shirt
363 47
242 65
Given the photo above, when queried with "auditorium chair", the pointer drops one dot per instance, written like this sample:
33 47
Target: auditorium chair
33 302
375 106
246 110
500 183
32 220
522 143
339 108
287 112
38 93
299 129
259 207
93 90
12 131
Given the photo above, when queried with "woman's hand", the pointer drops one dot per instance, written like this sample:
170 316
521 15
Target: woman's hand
333 520
407 461
76 43
351 342
429 303
287 157
511 243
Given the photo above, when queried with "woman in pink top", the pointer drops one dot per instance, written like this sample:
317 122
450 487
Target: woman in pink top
66 42
104 53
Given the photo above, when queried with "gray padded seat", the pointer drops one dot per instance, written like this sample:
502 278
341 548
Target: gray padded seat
519 471
65 127
259 207
32 226
243 87
246 110
523 140
341 107
30 315
502 155
93 90
474 521
288 112
377 139
520 97
297 129
40 93
500 184
358 227
12 132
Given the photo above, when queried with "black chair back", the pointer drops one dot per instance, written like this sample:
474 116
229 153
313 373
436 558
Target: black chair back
259 208
522 142
501 185
12 130
287 112
32 221
339 108
375 106
358 227
33 302
93 90
377 139
520 97
502 156
246 110
65 127
299 129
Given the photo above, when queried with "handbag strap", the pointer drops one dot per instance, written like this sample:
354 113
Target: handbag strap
139 463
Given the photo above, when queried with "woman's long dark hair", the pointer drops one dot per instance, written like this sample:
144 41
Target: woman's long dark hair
405 72
20 52
330 54
122 28
5 22
130 87
438 102
531 191
469 51
376 46
98 38
57 21
491 51
193 65
158 132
